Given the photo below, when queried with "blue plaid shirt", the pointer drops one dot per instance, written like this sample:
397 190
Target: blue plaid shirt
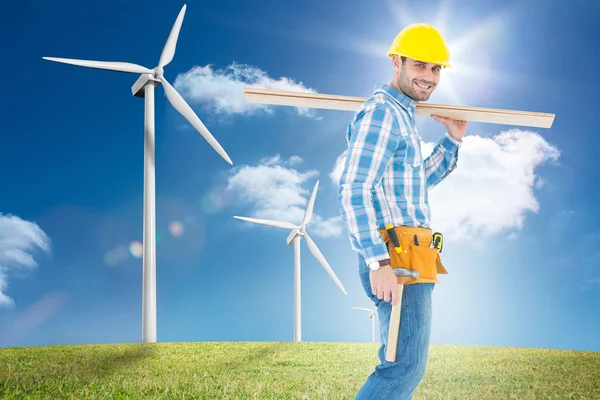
385 179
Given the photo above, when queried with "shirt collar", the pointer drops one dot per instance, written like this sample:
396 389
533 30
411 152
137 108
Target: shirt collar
402 99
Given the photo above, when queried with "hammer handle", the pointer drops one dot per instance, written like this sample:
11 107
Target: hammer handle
392 342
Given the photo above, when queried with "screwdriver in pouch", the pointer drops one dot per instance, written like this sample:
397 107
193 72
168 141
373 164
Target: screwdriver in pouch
392 234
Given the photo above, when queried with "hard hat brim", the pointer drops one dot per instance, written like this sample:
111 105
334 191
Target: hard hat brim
401 54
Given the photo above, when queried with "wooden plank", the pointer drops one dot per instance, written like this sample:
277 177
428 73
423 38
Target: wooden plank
351 103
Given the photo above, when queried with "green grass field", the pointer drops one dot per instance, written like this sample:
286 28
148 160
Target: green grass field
282 370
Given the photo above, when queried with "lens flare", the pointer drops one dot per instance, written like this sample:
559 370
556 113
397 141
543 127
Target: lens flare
216 200
176 228
116 256
136 249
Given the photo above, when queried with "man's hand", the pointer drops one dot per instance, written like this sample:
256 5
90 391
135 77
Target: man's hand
455 128
384 284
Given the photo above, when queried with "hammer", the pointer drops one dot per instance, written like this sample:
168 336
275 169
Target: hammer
404 275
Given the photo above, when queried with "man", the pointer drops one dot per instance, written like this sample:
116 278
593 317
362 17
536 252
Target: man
385 181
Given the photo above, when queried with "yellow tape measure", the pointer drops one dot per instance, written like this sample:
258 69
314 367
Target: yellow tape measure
438 241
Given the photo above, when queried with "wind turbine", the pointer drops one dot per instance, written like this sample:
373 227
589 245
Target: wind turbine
293 239
144 88
372 316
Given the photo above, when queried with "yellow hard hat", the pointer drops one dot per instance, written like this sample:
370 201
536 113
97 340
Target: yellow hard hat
421 42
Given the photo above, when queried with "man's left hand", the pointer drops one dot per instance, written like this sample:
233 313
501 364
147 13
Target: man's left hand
455 128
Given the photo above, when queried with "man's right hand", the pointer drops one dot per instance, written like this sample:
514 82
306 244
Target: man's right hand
384 284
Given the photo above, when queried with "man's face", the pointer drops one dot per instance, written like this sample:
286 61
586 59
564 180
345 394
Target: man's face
417 79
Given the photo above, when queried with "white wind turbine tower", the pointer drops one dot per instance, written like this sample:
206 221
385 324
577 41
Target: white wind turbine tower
144 88
297 233
372 316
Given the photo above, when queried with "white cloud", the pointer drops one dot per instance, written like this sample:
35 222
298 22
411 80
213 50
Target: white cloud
276 160
18 239
539 183
492 187
338 168
330 227
512 236
281 193
223 90
295 160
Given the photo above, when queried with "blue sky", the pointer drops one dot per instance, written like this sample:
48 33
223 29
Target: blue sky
519 214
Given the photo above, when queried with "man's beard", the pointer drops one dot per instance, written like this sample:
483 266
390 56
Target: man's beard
408 88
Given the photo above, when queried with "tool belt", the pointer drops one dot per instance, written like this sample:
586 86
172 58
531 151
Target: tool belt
422 258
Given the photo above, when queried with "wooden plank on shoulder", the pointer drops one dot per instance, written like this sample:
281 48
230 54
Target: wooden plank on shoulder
351 103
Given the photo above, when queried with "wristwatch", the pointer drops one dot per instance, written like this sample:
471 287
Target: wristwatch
378 264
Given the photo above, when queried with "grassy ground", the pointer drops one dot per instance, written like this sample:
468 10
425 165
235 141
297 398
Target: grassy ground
262 370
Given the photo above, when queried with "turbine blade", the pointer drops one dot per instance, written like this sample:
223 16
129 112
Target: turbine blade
362 309
169 50
311 204
317 253
109 65
277 224
184 109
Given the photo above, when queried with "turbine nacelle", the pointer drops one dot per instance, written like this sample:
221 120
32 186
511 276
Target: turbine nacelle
138 88
159 72
298 231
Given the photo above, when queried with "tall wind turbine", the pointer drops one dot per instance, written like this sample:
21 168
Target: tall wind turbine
144 88
372 316
297 233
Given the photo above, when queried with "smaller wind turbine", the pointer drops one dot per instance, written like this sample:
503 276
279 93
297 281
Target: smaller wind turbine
297 233
372 316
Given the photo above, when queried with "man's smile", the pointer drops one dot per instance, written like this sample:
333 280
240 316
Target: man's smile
423 85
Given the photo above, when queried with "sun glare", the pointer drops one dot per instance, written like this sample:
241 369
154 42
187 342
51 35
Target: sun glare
472 52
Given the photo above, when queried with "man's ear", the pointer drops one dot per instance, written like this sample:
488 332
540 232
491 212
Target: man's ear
397 62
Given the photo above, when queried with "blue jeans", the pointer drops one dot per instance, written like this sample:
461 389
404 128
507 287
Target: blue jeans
399 379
